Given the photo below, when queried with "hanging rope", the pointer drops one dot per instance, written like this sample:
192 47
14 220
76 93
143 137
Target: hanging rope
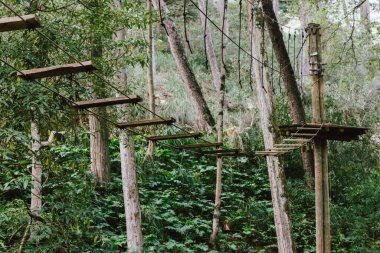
185 26
205 34
239 42
161 20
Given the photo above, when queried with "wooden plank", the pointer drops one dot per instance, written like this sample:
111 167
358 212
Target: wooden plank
288 145
107 102
302 135
220 151
200 145
17 23
245 154
145 122
309 128
174 136
296 140
56 70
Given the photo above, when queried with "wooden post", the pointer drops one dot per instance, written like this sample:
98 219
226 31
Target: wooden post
322 211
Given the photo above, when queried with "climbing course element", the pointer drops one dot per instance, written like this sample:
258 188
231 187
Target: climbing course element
107 102
59 70
17 23
145 122
200 145
174 136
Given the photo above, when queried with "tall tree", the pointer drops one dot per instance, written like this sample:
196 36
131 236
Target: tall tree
294 97
275 165
186 73
99 135
219 159
128 164
365 11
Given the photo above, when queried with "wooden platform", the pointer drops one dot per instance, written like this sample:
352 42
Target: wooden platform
221 151
174 136
145 122
200 145
324 131
107 102
16 23
59 70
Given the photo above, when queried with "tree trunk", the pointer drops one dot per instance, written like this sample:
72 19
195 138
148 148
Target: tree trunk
130 193
304 18
152 106
99 146
219 159
220 7
186 73
365 11
100 166
293 94
276 7
36 198
211 56
128 167
275 166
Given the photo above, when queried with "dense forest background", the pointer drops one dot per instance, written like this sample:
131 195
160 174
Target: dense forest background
177 188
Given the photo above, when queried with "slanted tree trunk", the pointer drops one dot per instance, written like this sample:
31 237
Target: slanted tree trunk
211 56
186 73
219 159
293 94
128 167
275 166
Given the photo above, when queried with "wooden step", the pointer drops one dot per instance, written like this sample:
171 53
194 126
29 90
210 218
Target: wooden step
145 122
283 149
59 70
288 145
220 151
303 135
107 102
245 154
17 23
309 128
200 145
174 136
295 140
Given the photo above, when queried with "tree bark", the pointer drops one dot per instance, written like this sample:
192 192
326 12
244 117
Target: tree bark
293 94
152 106
304 18
128 168
130 193
276 7
99 151
219 159
275 166
36 198
99 146
211 56
365 11
186 73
